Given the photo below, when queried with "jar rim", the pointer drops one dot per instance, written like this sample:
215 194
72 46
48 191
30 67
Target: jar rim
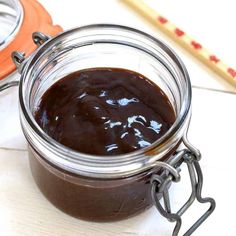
100 162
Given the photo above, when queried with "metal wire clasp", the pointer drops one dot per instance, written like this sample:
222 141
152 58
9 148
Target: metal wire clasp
19 57
20 60
160 187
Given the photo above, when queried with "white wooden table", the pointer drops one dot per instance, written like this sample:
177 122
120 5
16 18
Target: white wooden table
23 209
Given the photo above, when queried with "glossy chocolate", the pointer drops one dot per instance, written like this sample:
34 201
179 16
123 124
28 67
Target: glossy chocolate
105 111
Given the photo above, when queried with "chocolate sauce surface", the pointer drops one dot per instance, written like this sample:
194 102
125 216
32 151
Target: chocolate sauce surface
105 111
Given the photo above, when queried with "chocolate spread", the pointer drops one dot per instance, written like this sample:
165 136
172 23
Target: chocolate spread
105 111
100 111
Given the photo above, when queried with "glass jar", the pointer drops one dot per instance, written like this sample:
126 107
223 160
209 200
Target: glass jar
99 188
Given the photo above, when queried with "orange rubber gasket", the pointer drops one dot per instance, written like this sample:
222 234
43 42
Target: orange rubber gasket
35 18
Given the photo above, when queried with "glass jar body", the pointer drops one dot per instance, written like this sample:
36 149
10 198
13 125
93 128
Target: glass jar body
93 199
89 198
90 187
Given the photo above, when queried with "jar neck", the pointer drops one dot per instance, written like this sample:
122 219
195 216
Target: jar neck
89 46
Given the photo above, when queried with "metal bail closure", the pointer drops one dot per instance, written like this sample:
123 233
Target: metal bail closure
19 57
160 187
20 60
40 38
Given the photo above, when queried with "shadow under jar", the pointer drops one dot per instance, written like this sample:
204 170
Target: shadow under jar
93 187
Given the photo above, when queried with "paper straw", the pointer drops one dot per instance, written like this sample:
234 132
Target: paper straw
185 41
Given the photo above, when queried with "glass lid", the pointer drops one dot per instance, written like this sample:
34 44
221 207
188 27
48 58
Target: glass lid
19 19
11 15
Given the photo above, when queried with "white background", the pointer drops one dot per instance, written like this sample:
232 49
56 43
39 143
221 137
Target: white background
23 209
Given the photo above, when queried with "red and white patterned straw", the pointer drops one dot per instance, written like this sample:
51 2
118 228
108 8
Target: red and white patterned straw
184 40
